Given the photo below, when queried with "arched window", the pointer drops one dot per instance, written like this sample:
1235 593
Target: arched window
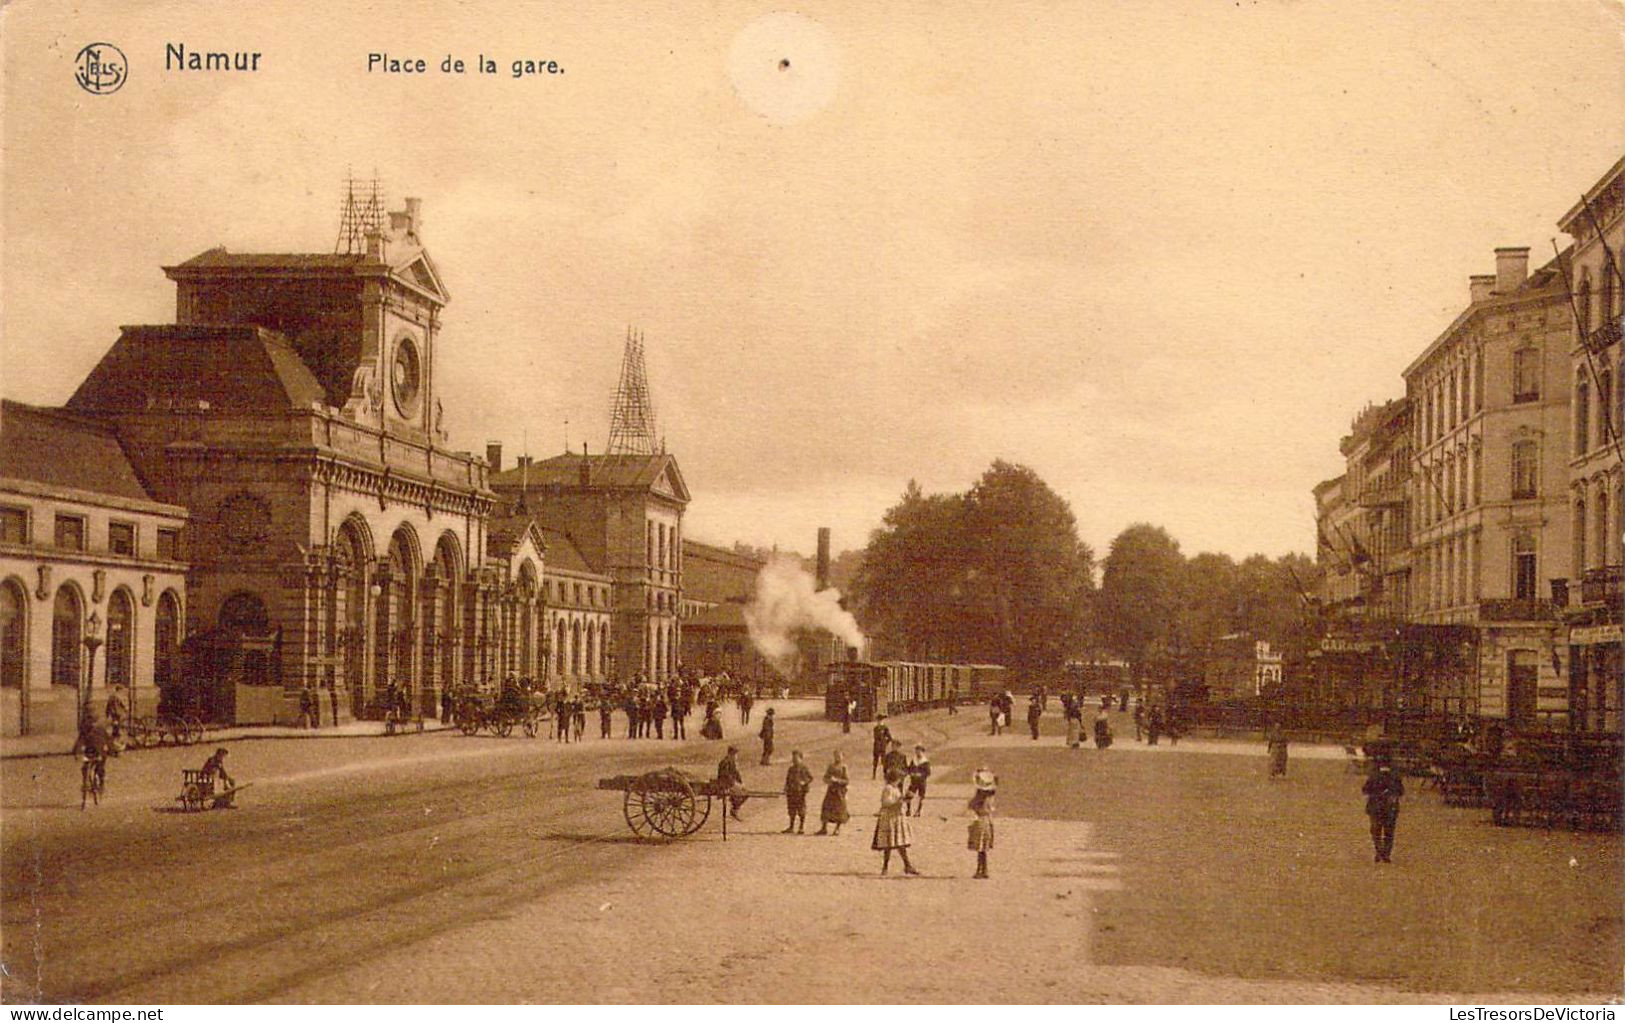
13 634
1454 406
1526 375
559 652
120 639
1582 304
1579 535
1606 422
1606 305
1582 414
575 648
166 640
1602 525
1478 381
1525 469
67 632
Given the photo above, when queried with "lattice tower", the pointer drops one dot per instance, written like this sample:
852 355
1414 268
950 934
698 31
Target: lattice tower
632 418
361 214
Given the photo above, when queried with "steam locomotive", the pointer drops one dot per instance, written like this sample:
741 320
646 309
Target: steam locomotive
896 687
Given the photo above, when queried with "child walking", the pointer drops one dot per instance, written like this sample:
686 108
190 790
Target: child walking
981 829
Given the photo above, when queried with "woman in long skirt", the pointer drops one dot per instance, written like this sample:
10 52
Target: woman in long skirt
981 829
892 828
835 782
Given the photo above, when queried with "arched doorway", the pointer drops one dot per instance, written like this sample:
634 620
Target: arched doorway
166 644
120 639
396 637
13 634
527 619
441 616
352 555
559 652
67 636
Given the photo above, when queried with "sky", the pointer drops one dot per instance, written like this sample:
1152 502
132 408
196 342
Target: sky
1162 253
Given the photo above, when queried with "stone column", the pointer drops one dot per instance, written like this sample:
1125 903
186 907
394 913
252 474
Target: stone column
432 642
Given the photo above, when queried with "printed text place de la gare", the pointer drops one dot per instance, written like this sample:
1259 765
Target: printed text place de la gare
391 64
178 57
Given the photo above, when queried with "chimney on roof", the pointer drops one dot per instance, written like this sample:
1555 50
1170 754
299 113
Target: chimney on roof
586 467
375 244
1480 287
414 217
1511 268
493 455
823 557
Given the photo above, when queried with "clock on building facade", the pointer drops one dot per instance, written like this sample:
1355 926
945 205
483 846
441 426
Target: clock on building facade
406 376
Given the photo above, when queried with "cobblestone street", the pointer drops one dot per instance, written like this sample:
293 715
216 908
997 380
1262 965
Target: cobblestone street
438 868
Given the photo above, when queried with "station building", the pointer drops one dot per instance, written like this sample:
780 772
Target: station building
278 456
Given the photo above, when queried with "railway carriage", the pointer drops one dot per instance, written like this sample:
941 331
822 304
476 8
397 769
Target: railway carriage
897 687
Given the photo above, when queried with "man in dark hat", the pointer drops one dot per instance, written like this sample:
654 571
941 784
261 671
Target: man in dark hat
730 781
882 740
767 737
1383 789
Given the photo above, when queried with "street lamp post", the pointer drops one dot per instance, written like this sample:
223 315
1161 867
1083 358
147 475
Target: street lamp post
92 640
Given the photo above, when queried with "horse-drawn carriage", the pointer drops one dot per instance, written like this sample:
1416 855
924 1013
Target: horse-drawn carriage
148 732
500 714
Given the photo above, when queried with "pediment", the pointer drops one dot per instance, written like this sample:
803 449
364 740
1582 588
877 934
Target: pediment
419 271
669 483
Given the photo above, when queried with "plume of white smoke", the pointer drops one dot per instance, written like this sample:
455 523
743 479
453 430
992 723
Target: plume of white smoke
787 599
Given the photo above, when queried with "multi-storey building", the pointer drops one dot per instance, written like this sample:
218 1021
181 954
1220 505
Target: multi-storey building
623 515
1489 401
1596 499
88 560
288 426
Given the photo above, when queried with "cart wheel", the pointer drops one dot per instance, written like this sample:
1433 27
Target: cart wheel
468 725
532 726
702 813
503 727
669 811
192 797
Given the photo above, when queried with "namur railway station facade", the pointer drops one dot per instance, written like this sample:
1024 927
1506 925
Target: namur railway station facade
261 498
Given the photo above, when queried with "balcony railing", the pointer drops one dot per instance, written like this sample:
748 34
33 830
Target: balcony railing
1600 585
1516 610
1601 337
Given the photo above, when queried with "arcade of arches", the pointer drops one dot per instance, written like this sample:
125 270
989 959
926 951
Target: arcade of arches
415 622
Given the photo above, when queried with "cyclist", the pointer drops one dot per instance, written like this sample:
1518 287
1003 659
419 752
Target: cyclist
92 747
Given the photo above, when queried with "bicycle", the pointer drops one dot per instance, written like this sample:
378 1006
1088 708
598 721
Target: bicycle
92 779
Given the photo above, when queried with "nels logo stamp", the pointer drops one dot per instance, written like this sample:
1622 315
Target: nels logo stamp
100 69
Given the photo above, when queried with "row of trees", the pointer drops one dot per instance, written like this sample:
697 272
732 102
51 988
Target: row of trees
998 575
1161 611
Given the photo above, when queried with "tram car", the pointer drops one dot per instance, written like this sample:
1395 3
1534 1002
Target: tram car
897 687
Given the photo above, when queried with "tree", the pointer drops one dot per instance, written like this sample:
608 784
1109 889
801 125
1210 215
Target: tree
1032 572
994 575
912 570
1140 594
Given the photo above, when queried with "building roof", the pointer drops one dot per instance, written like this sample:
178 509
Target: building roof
231 368
723 616
504 534
1543 283
563 555
57 448
218 257
656 473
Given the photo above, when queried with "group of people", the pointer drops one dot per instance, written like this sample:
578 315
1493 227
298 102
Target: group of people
1073 709
902 797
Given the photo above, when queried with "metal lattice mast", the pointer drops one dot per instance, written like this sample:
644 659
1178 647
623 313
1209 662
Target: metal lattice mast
362 213
632 418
